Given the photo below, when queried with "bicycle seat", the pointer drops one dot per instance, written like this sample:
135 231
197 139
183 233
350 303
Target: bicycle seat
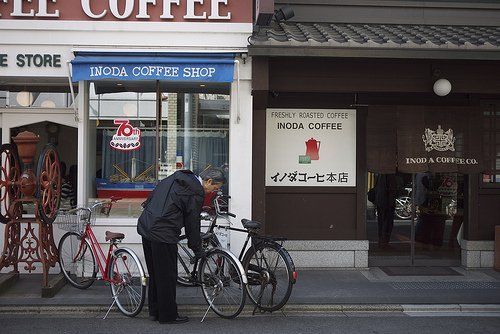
114 236
250 224
205 236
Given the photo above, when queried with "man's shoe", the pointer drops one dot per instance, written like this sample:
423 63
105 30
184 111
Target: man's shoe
153 317
178 320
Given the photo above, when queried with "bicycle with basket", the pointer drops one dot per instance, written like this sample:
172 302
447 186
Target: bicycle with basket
81 258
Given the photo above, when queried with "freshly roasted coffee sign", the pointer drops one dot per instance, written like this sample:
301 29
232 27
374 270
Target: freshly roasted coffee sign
311 147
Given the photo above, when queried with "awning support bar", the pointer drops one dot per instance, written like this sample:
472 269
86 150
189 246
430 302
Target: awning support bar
237 120
75 109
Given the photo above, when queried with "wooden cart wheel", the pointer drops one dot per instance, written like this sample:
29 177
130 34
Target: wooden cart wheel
9 181
49 183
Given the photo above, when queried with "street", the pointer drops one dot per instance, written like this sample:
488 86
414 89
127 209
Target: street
336 322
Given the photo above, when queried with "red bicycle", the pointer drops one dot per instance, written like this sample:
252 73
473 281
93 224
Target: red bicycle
81 258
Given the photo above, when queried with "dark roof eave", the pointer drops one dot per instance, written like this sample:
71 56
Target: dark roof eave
311 51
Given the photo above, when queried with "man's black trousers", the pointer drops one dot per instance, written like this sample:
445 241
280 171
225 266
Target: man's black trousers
161 260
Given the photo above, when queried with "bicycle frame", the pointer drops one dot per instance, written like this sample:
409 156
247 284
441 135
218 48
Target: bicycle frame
195 267
188 253
250 234
98 252
96 247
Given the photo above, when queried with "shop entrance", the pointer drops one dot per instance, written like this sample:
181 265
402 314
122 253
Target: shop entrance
423 157
423 228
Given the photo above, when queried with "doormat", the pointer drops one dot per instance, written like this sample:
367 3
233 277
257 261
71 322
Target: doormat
420 271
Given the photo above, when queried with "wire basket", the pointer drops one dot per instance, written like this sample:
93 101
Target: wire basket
74 220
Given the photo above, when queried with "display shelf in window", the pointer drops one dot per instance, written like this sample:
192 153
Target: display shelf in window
123 184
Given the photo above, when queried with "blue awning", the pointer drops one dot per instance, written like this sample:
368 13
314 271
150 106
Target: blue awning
153 66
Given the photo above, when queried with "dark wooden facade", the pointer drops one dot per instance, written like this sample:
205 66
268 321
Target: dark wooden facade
338 213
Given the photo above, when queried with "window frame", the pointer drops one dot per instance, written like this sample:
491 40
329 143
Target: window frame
493 131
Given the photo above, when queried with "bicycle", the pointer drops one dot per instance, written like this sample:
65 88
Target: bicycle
220 275
268 266
403 207
79 250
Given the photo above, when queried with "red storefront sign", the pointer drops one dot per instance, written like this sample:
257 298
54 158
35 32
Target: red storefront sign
233 11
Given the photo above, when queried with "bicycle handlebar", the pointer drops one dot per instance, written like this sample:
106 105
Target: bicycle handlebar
113 199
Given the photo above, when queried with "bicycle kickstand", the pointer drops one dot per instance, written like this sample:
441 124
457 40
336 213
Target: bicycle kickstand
259 300
110 307
208 309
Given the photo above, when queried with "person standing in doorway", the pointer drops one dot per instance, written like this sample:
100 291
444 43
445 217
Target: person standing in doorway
385 202
176 202
68 196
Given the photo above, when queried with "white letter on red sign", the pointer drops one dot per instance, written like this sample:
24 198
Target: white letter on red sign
129 7
167 9
42 9
190 10
214 15
18 9
88 11
143 8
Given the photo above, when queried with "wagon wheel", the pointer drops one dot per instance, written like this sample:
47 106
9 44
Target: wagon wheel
49 176
9 181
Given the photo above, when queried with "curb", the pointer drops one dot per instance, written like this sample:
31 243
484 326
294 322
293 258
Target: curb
410 308
294 309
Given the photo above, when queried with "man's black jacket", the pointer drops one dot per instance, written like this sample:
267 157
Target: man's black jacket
175 203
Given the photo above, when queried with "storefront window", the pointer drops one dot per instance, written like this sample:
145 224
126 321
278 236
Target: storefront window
25 99
3 99
193 134
491 142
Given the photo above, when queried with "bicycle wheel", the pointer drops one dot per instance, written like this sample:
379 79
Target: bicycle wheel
77 260
184 265
127 282
403 207
223 285
269 269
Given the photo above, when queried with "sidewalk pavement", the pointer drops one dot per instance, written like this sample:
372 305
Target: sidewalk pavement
315 291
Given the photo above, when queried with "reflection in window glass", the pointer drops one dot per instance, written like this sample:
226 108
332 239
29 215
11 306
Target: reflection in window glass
491 141
194 134
25 99
3 99
93 109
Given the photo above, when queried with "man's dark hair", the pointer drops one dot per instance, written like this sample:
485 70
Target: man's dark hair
214 173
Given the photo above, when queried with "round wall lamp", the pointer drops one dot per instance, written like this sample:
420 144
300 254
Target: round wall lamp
130 109
48 104
442 87
24 99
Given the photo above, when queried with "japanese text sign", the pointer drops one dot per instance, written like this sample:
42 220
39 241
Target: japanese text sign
311 147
